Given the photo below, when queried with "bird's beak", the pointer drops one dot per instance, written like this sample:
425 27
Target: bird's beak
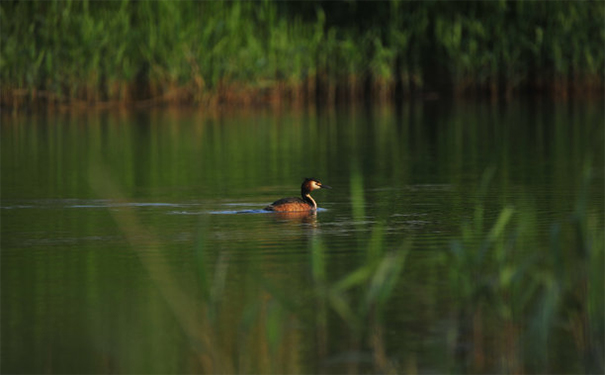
325 186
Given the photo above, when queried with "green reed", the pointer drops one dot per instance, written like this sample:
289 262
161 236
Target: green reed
212 52
511 293
513 290
508 277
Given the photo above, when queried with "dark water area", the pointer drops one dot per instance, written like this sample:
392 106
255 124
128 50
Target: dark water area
124 249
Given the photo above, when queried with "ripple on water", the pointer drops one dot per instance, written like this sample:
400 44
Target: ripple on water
87 203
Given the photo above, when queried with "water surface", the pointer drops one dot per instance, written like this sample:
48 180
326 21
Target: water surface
123 249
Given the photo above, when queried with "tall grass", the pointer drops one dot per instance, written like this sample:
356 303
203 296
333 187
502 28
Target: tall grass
530 291
510 294
213 52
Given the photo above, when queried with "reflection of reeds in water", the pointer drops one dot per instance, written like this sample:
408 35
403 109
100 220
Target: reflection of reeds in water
511 295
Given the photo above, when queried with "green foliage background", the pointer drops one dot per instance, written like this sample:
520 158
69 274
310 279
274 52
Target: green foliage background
247 50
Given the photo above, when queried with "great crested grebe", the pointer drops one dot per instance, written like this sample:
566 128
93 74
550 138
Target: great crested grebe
306 203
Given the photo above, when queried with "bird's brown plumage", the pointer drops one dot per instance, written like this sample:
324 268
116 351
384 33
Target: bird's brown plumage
305 203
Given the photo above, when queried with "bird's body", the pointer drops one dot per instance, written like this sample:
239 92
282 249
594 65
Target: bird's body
291 204
305 203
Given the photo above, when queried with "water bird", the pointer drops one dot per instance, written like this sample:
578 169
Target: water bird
306 203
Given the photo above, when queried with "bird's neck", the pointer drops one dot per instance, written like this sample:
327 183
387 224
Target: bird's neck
307 198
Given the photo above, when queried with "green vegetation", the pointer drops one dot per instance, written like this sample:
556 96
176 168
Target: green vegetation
510 294
506 277
246 52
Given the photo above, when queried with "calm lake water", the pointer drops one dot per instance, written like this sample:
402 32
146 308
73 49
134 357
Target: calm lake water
124 249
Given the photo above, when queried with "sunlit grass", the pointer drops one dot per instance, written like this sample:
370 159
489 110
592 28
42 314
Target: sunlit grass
82 52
